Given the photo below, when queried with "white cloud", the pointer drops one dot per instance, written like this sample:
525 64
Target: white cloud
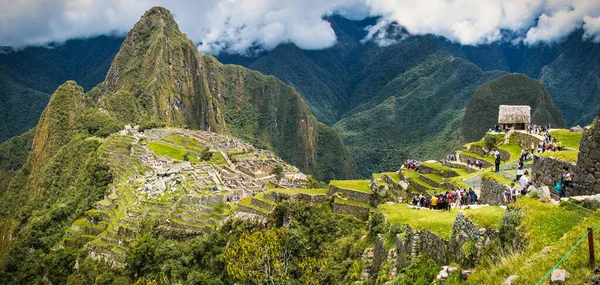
242 25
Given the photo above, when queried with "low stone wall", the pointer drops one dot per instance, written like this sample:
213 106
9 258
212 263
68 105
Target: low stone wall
394 186
354 210
262 204
525 140
426 243
459 165
464 230
417 186
379 255
477 149
311 198
431 181
355 195
492 192
589 161
428 170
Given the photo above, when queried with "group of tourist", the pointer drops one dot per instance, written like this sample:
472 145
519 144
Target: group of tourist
412 164
498 129
475 163
445 201
452 157
535 129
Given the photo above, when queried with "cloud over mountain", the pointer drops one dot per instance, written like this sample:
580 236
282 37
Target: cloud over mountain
240 26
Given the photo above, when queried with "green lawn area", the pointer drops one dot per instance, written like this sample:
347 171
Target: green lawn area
568 156
304 191
477 156
513 149
184 142
434 177
164 149
550 227
568 139
359 185
495 177
438 222
395 177
413 176
354 203
487 217
217 158
247 202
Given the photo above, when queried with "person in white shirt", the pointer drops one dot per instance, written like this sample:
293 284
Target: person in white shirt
524 181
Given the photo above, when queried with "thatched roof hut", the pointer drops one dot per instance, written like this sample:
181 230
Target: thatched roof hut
514 114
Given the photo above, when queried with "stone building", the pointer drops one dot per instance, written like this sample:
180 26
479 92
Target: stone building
517 116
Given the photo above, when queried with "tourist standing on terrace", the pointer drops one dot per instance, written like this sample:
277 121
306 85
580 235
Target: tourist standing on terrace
497 161
565 181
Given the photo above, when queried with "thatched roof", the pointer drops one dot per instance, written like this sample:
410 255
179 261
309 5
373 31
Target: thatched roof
513 114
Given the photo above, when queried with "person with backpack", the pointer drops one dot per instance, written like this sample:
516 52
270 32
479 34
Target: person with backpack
566 182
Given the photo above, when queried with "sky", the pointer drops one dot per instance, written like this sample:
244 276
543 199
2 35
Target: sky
237 26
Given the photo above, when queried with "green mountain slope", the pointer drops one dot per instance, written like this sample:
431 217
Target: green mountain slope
396 125
513 89
30 75
159 77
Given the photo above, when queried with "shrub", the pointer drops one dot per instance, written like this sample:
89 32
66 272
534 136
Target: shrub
490 141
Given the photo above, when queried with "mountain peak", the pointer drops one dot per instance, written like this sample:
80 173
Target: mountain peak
156 18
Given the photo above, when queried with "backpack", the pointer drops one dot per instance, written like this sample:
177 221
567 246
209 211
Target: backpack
558 186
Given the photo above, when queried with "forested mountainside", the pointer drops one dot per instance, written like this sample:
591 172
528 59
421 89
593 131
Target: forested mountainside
511 89
341 83
336 83
28 76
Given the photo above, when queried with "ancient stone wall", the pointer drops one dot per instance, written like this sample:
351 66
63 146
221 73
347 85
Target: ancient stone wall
492 192
311 198
379 254
355 195
463 231
589 162
463 158
525 140
428 170
354 210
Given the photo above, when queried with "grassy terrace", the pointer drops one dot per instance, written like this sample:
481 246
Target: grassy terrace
395 177
568 156
261 197
247 202
173 152
413 176
497 178
438 222
434 177
358 185
551 231
489 159
354 203
303 191
513 149
487 217
567 139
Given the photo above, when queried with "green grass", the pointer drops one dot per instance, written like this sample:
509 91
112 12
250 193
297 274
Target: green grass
458 182
261 197
434 177
303 191
359 185
556 228
486 217
438 222
413 176
568 156
567 139
437 166
497 178
164 149
354 203
477 156
217 158
393 175
513 149
247 202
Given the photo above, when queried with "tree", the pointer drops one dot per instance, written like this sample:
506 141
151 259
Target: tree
257 258
186 156
278 171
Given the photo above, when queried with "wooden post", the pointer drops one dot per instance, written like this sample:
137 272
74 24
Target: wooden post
591 245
